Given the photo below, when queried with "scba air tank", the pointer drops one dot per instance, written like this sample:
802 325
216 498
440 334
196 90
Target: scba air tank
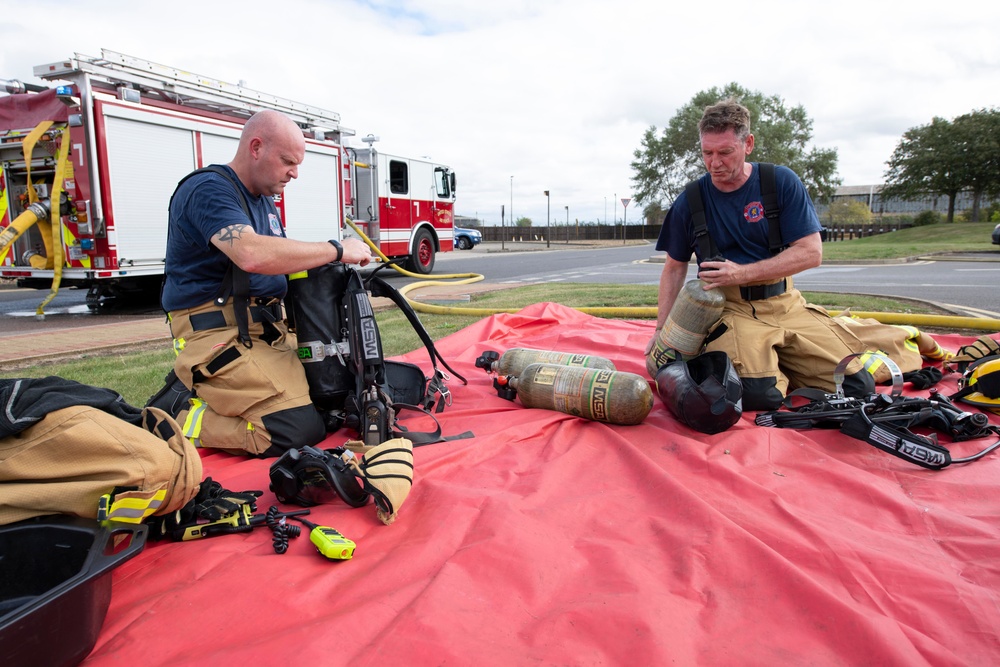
615 397
694 311
516 359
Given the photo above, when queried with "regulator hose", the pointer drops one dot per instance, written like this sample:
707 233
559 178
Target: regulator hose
649 312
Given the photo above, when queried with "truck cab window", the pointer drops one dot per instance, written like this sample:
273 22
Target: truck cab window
442 183
398 178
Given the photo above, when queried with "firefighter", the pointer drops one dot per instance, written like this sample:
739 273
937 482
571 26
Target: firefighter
226 261
774 339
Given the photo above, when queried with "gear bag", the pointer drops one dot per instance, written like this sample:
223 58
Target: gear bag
341 350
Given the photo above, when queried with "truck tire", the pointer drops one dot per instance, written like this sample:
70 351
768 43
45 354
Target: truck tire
422 259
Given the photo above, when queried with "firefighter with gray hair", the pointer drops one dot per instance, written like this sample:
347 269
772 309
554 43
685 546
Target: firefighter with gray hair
774 339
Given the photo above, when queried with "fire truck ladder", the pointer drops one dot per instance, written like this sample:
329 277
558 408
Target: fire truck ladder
187 89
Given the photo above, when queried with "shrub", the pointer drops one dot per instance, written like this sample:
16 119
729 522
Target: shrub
927 218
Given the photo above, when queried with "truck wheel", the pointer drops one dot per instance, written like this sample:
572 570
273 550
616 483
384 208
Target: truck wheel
422 259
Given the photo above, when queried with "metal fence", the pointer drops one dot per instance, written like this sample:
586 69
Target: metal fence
569 234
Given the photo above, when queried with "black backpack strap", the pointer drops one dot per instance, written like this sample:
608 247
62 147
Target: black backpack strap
236 282
707 249
772 210
379 287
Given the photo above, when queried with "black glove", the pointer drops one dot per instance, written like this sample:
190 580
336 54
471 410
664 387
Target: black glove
925 378
214 502
211 504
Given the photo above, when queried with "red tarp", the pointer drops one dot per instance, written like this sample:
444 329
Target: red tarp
547 539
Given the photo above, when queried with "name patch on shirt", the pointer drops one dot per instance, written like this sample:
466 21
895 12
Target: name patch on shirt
753 212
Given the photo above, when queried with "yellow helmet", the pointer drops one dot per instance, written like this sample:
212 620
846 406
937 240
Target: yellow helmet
980 385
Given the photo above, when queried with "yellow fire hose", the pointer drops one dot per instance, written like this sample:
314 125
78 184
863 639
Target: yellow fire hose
649 312
58 257
42 212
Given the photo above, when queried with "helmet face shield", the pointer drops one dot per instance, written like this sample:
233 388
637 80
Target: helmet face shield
703 392
310 477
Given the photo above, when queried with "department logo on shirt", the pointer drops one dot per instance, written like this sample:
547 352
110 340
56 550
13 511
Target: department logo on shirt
275 224
753 212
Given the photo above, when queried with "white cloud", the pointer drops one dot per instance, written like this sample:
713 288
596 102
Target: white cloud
555 93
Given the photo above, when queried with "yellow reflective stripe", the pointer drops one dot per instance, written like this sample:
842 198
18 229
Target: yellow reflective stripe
134 509
871 361
192 423
298 275
179 344
250 427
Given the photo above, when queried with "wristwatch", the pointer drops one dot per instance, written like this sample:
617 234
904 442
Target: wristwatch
340 249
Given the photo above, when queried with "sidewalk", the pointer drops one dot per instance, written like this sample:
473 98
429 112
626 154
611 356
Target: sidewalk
29 349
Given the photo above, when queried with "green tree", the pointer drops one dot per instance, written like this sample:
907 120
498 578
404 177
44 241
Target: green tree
944 158
850 213
523 222
670 158
978 133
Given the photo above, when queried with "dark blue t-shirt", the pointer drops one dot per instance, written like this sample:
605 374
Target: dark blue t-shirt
195 269
736 219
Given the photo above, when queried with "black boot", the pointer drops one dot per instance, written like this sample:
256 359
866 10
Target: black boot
173 397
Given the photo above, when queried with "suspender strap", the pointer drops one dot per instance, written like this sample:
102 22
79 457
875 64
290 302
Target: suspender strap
769 197
706 245
236 282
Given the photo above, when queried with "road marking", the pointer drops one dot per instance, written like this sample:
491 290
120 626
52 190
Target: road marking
975 312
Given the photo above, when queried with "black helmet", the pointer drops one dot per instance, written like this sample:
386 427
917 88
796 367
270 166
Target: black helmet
704 392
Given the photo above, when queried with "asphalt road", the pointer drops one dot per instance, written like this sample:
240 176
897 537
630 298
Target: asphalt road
969 287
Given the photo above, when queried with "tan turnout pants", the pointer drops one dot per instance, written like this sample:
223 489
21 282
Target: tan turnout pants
67 461
249 400
783 343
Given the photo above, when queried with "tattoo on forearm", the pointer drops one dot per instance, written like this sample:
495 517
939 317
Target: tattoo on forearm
231 233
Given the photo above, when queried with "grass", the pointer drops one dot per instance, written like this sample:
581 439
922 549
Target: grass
137 375
914 242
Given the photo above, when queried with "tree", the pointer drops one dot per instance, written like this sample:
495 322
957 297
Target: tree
668 160
523 222
849 214
929 160
978 133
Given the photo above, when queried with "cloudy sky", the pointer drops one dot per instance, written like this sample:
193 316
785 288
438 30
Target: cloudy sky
522 96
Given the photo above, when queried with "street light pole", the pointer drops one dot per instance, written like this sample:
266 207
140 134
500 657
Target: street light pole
548 211
567 224
513 222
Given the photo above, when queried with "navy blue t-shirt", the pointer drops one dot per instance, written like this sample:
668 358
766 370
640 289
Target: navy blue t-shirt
195 268
736 219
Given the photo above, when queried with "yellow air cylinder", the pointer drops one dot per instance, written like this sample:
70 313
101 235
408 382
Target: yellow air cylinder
615 397
516 359
694 312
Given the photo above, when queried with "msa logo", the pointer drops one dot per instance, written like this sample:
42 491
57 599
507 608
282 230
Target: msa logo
369 338
599 395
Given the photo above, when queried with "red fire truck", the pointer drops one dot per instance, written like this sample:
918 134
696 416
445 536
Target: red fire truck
87 167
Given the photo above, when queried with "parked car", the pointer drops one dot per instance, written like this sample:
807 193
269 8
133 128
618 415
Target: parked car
996 235
465 238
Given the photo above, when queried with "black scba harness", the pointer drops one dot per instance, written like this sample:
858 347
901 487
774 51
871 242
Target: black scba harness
884 421
341 350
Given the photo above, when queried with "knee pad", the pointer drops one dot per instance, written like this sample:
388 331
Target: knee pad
293 428
761 394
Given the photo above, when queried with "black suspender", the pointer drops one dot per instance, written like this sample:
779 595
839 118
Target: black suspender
772 211
707 249
236 282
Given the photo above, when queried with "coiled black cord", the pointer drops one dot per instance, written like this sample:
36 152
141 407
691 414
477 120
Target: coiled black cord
280 529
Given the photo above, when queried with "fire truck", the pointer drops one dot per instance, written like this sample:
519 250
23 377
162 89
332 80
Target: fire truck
88 165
